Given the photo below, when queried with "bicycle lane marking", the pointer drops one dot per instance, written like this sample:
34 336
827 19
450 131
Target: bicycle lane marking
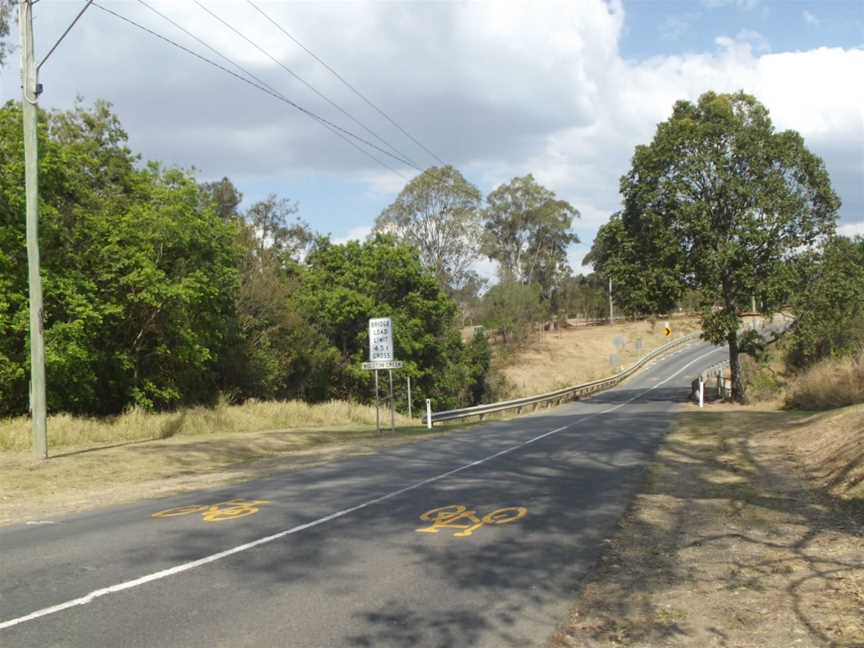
183 567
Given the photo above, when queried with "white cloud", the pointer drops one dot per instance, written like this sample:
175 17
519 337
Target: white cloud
809 18
746 5
851 229
359 233
497 90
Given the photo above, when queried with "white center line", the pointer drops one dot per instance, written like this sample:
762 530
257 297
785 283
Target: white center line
178 569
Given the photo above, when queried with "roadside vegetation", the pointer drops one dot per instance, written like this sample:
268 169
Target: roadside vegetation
749 528
77 433
574 353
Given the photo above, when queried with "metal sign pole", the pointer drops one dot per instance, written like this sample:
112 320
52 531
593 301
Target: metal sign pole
409 397
377 415
392 414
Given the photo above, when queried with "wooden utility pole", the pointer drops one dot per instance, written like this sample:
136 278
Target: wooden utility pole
30 89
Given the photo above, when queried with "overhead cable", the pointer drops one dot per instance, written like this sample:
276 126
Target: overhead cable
261 82
252 83
308 85
346 83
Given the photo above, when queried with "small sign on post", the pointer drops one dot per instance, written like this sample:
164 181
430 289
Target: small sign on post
381 339
381 357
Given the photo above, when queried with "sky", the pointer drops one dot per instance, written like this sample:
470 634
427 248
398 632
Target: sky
563 90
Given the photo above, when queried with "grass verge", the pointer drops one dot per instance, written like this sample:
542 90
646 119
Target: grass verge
67 432
98 463
737 539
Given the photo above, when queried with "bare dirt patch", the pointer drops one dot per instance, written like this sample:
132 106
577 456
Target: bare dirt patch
735 541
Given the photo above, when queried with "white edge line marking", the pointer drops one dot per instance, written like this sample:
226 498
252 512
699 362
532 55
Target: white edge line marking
178 569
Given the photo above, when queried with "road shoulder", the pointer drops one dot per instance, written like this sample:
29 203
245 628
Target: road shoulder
732 542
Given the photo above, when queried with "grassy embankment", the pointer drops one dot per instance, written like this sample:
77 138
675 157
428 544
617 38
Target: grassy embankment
100 461
748 531
580 354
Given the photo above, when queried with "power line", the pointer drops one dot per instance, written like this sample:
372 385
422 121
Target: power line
346 83
262 88
309 85
338 130
260 81
63 35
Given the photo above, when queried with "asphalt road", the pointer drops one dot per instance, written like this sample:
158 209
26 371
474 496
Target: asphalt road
334 557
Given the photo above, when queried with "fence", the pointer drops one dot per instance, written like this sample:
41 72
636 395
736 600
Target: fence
557 396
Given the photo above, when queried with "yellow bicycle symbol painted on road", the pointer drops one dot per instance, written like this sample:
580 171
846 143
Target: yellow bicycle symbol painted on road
457 516
230 510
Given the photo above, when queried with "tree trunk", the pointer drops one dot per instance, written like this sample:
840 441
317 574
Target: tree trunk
738 393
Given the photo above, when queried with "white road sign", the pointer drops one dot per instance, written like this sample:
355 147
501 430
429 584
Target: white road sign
383 364
381 339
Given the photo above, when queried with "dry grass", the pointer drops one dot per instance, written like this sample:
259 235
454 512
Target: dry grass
65 431
123 472
576 355
829 384
732 543
831 449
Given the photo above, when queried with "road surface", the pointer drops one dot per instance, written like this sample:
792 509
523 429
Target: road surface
339 556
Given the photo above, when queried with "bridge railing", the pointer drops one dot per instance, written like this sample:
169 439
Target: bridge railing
558 395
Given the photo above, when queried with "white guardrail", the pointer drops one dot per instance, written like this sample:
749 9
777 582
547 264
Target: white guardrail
557 396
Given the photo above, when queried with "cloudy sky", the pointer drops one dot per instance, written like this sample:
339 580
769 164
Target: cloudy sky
563 90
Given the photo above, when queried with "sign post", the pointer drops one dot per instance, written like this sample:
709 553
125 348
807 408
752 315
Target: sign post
392 407
381 357
377 416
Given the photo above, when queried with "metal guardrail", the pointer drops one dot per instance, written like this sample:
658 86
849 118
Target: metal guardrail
559 395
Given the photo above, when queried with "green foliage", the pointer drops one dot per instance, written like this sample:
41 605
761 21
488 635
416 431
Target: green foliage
527 231
5 23
513 309
342 286
478 359
138 277
160 293
719 202
828 304
583 296
438 212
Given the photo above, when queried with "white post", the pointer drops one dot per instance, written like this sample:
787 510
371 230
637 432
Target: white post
409 397
701 392
429 413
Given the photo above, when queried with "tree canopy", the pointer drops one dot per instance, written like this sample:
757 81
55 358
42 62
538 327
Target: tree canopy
161 291
828 303
718 202
438 212
527 231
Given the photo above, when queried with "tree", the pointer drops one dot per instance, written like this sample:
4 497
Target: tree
719 202
527 231
6 8
828 304
645 266
438 212
138 277
512 309
222 196
276 232
342 286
